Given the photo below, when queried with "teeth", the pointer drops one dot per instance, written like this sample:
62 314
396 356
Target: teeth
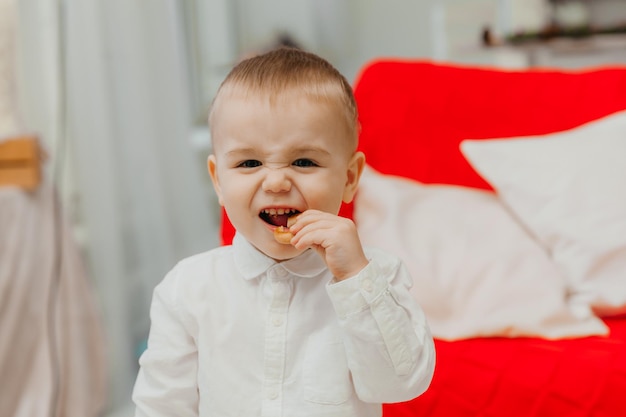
280 211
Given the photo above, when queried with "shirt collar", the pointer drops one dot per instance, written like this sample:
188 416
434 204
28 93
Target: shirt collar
253 263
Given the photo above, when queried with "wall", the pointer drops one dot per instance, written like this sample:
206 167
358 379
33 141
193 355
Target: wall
350 33
346 32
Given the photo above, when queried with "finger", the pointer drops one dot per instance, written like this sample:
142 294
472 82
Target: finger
307 217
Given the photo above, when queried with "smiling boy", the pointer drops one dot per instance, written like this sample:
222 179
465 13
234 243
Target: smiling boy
316 327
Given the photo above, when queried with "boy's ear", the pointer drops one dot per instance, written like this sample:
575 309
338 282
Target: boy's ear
212 166
355 169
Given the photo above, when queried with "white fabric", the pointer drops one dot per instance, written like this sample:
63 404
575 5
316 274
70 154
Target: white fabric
236 334
569 190
52 347
476 271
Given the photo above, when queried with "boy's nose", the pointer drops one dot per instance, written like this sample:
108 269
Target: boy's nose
276 181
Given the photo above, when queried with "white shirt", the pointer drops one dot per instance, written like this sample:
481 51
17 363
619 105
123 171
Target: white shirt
235 333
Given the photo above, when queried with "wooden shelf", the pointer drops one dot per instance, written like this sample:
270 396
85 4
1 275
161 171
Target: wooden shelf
20 162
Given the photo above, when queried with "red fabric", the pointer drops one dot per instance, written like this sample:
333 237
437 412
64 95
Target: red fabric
526 377
228 231
413 116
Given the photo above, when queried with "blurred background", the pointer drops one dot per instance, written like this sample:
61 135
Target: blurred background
117 92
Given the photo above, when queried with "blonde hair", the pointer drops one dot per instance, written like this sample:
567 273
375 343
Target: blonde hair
283 71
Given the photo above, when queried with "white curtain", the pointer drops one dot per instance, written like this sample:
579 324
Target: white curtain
108 82
9 120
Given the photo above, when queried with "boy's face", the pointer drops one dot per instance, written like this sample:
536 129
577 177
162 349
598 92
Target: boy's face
268 160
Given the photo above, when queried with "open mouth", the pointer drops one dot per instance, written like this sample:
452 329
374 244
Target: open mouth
278 216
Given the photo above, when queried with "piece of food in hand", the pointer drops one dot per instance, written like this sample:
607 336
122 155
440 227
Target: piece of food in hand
282 233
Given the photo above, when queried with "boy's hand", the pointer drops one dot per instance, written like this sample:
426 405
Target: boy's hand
335 239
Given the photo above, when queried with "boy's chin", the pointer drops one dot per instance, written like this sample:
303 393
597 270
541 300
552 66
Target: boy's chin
280 252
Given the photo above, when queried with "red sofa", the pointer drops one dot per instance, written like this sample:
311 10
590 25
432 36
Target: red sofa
414 114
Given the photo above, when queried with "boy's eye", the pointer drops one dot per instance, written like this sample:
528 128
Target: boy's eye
250 163
304 163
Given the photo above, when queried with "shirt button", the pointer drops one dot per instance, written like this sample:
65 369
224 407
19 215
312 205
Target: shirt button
281 272
272 395
277 321
367 285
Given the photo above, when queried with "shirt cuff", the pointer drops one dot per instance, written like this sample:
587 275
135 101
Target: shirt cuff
357 293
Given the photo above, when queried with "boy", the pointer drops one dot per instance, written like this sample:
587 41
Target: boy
314 327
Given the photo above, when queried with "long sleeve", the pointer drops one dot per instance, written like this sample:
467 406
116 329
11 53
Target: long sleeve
167 381
390 350
235 333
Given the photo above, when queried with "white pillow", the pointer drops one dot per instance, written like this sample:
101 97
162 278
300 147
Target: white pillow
475 270
569 190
